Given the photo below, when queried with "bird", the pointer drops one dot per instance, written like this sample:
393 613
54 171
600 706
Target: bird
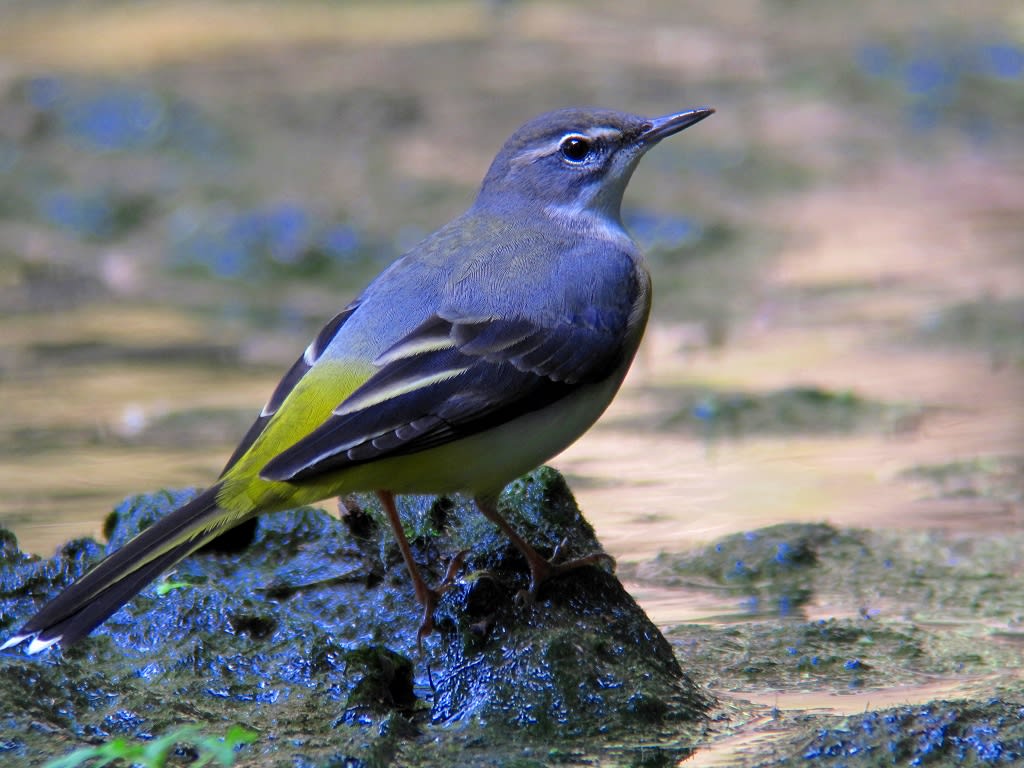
476 356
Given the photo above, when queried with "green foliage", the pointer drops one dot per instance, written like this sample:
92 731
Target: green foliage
154 754
169 585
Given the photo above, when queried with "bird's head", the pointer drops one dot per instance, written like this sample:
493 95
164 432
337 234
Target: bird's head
573 164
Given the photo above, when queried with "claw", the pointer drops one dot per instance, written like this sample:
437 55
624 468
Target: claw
432 595
558 550
454 566
425 596
554 569
427 623
541 570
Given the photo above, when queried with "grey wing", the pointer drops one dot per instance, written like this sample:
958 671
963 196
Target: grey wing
453 377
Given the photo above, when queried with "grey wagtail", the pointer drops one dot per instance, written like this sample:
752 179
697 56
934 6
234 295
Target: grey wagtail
478 355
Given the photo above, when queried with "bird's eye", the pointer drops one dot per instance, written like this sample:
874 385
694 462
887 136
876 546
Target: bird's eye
575 148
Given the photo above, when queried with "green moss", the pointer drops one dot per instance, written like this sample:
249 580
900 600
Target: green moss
991 325
308 635
1000 478
797 409
962 733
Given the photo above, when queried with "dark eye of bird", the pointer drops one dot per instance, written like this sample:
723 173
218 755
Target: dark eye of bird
575 148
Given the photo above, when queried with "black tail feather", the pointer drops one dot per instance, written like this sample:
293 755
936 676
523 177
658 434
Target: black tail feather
82 620
89 601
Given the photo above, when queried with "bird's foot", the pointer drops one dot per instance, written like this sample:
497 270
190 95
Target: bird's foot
430 595
542 570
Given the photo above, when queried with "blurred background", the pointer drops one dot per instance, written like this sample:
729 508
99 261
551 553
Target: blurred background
188 190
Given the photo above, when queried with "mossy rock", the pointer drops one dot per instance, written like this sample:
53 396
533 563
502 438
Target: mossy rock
308 636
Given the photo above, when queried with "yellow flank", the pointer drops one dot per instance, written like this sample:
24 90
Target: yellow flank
480 464
307 406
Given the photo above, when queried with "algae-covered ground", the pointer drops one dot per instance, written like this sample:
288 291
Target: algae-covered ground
307 637
811 479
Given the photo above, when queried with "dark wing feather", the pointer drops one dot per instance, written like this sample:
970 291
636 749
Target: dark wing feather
114 581
460 377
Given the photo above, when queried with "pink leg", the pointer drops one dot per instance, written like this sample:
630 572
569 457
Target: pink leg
541 569
425 596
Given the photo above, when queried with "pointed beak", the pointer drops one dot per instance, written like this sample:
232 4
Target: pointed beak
660 127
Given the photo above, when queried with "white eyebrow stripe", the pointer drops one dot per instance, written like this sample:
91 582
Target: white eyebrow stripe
601 132
529 155
596 133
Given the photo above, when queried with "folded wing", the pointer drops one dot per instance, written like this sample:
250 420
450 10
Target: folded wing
452 377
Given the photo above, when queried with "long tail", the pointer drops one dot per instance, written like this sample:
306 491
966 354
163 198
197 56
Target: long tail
88 602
